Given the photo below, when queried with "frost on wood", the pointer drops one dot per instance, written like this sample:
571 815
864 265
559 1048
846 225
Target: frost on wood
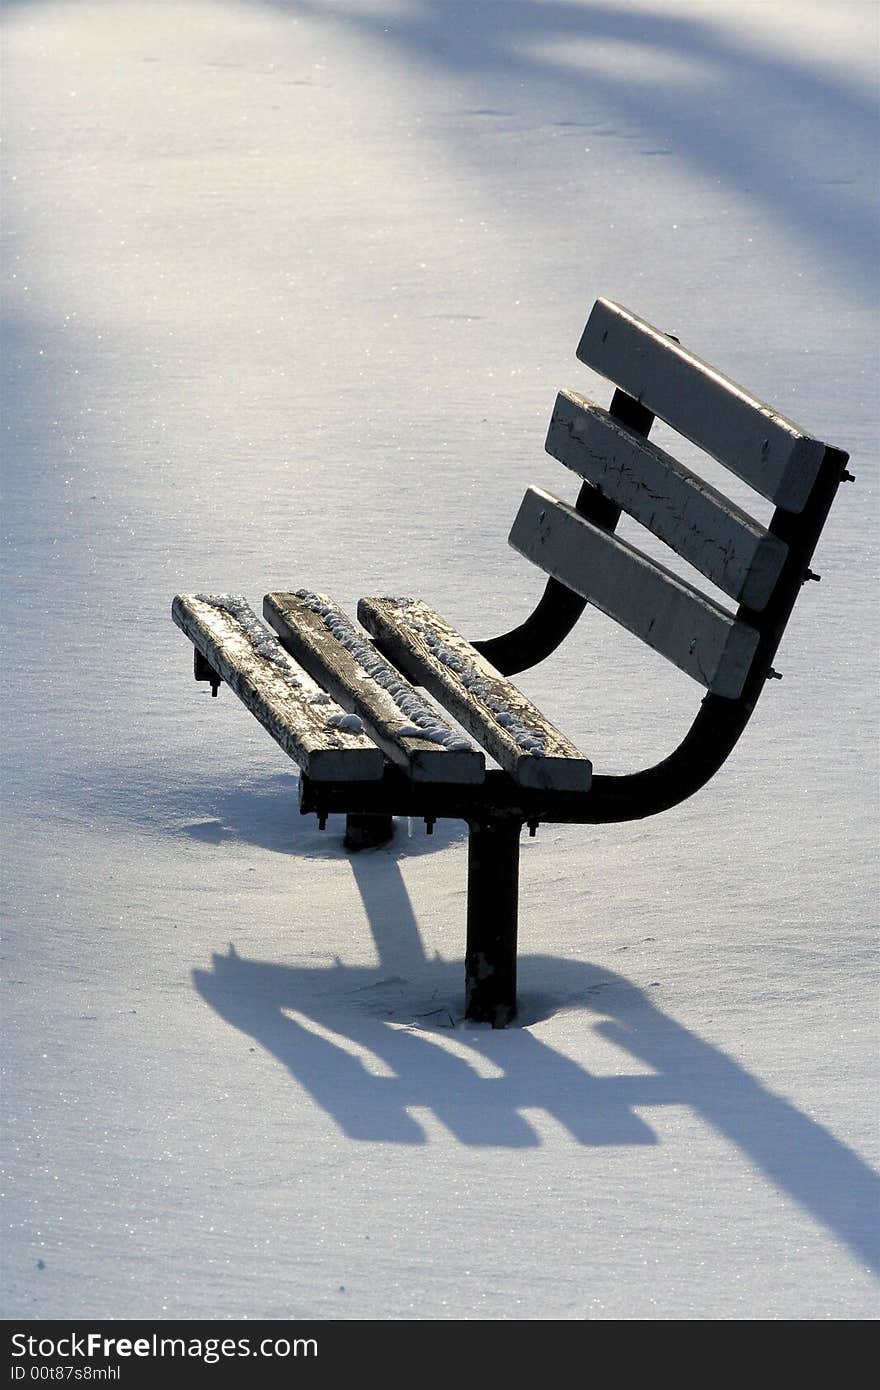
530 738
266 645
350 722
424 722
508 725
291 706
411 733
712 533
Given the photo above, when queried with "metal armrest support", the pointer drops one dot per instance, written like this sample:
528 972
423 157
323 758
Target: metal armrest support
720 722
558 608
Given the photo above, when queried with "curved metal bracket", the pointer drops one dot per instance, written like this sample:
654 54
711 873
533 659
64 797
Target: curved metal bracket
633 796
559 607
720 722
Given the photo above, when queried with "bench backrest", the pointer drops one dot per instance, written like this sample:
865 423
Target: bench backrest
609 450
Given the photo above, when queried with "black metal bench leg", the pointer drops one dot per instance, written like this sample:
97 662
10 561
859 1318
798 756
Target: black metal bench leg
365 832
493 897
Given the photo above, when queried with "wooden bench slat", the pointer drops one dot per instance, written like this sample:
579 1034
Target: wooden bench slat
768 451
673 617
310 727
429 651
411 734
708 530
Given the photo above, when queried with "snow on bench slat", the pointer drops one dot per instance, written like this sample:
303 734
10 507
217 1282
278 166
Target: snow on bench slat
328 743
670 615
429 651
406 728
708 530
769 452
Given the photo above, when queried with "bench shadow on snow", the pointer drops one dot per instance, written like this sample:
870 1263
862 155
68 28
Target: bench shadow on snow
264 811
373 1044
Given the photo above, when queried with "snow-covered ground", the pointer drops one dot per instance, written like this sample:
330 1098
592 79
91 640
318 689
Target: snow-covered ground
290 290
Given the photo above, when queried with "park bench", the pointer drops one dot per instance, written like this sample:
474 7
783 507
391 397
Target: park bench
350 704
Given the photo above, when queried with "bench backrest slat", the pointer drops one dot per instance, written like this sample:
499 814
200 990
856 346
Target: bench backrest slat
670 615
769 452
708 530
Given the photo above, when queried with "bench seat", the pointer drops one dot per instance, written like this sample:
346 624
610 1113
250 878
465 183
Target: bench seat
327 742
411 733
431 653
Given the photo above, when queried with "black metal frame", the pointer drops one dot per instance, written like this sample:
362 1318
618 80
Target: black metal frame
496 810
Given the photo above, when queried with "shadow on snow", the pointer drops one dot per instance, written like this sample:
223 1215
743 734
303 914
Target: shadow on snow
370 1044
547 59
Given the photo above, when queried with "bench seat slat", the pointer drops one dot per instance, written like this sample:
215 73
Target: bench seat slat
299 715
768 451
708 530
429 651
685 626
411 734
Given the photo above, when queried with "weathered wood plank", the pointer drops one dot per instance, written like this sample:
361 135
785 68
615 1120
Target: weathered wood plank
765 449
310 727
689 629
708 530
498 715
410 733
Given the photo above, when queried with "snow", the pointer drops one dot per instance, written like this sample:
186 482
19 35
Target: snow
528 739
266 644
291 288
351 723
457 658
425 722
